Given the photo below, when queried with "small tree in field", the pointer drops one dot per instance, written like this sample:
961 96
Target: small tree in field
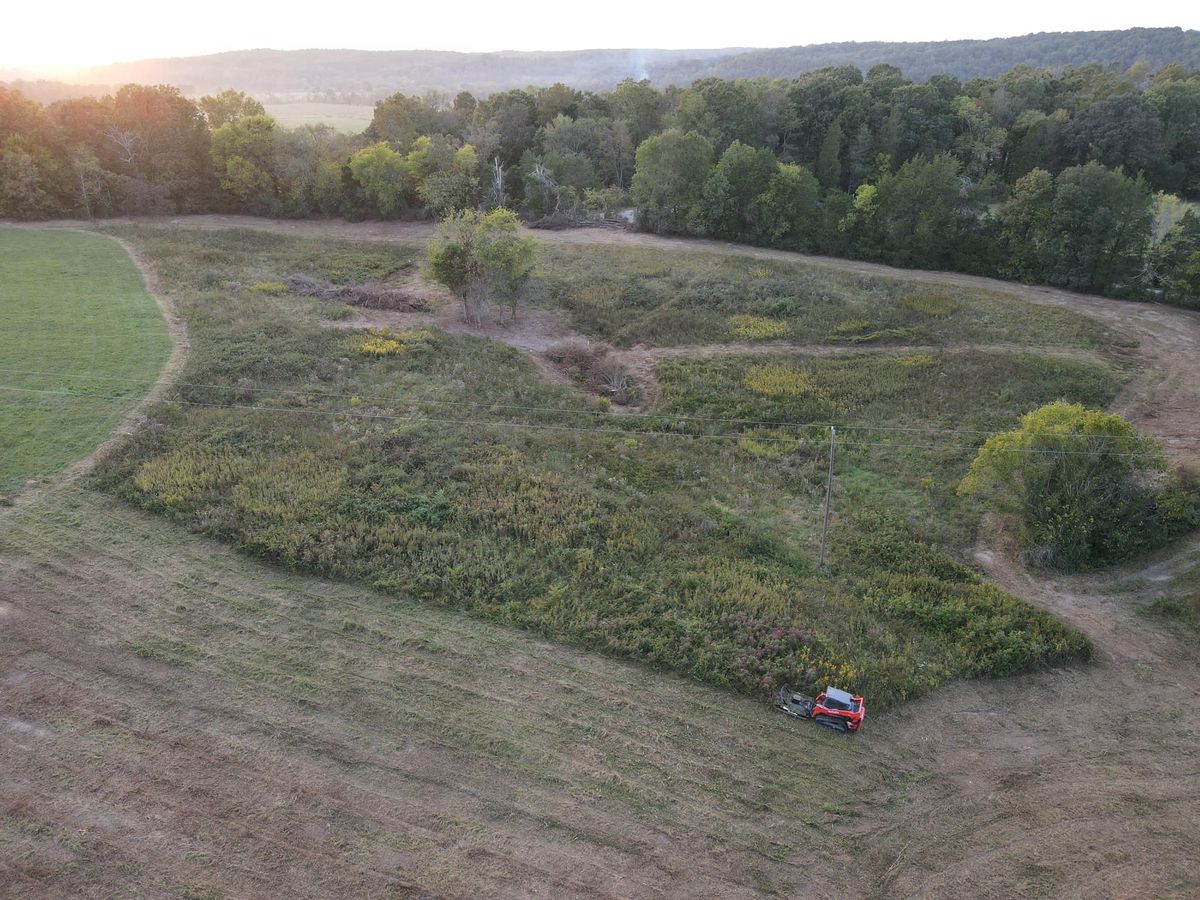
1086 487
483 257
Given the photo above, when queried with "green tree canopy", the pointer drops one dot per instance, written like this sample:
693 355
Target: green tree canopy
729 207
668 183
1084 485
482 257
229 106
382 175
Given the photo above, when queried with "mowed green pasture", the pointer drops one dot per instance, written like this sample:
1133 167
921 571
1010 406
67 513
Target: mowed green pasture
453 472
346 117
81 340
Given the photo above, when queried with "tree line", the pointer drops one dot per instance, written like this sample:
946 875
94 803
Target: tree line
1079 177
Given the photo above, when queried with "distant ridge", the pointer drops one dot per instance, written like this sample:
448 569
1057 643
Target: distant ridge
383 72
386 71
1156 47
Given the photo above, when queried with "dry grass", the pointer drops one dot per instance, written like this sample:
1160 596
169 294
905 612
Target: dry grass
312 738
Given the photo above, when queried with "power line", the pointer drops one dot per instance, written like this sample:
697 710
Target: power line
421 418
479 404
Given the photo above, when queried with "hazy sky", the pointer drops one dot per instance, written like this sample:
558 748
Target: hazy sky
69 34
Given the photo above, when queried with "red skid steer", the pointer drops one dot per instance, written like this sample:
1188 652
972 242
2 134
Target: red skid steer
832 708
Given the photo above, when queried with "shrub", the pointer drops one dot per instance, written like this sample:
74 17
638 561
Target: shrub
381 345
270 288
756 328
188 476
596 368
288 488
1184 609
1086 488
385 342
883 334
776 381
936 305
508 497
851 326
767 444
915 361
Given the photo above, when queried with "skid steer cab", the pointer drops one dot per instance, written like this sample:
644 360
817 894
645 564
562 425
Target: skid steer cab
832 708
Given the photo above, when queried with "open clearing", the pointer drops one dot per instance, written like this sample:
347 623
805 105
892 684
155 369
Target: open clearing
70 304
346 117
186 720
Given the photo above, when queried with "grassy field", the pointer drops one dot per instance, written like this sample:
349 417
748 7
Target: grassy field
453 473
180 719
342 116
629 295
76 317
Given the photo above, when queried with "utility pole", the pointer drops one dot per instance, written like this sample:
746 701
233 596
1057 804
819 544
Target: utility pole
828 491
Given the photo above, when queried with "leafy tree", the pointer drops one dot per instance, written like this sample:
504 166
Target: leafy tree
829 159
1035 142
382 176
1122 132
1100 228
928 213
482 257
1178 104
454 186
400 120
668 180
228 107
727 111
164 141
1175 261
1084 485
504 126
979 142
814 101
556 100
640 106
921 121
788 210
729 207
23 193
1026 228
243 155
308 169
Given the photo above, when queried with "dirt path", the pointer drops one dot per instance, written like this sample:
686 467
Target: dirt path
133 420
535 332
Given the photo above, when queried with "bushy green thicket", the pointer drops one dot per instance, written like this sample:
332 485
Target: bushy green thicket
1086 488
679 549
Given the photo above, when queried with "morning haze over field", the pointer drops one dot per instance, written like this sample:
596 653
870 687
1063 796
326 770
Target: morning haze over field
770 469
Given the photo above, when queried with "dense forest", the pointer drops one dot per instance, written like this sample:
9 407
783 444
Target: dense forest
1154 47
381 73
1078 177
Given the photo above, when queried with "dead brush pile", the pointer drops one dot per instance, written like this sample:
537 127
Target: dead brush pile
368 296
596 367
